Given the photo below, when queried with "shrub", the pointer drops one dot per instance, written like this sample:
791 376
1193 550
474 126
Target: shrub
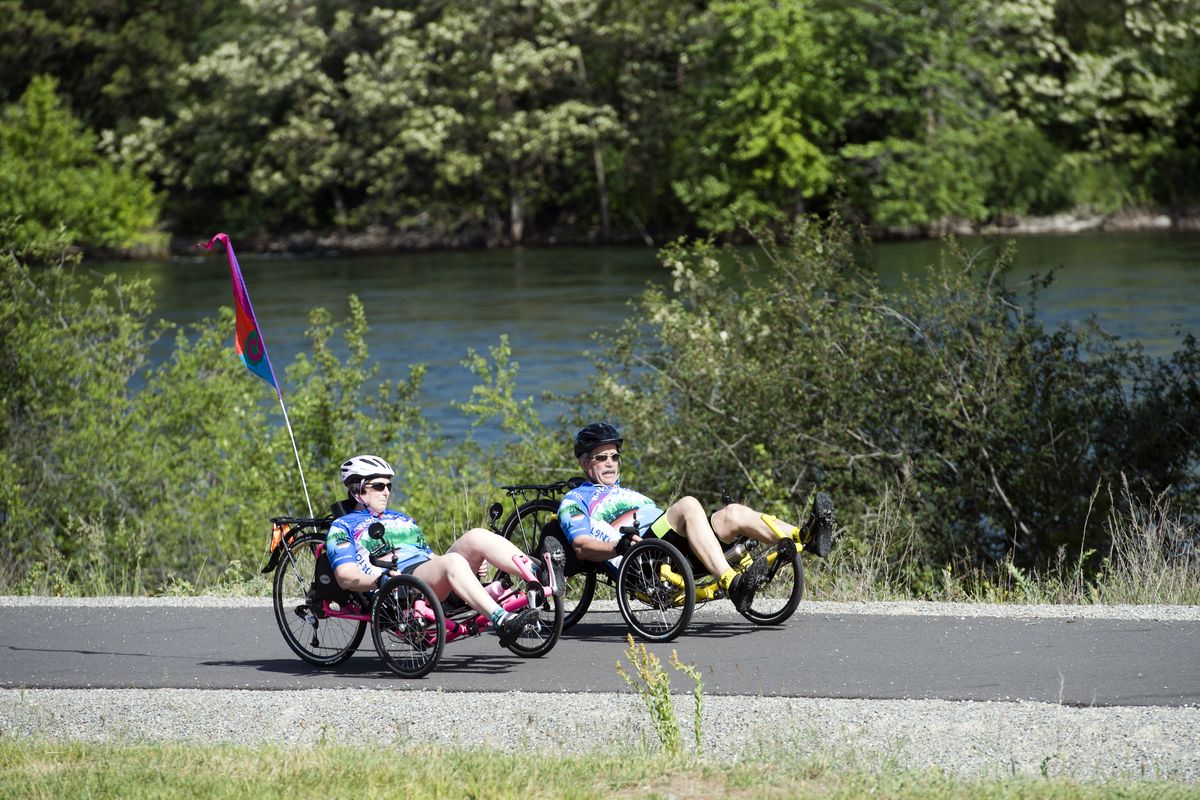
771 373
52 174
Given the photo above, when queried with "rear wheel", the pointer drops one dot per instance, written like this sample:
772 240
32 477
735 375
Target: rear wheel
408 626
778 598
319 639
524 529
655 590
577 597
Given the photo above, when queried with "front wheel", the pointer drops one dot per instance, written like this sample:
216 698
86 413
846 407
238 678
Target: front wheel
779 596
655 590
540 637
319 639
525 528
408 626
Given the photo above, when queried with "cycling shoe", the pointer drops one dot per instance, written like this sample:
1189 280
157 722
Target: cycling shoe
511 628
747 582
819 533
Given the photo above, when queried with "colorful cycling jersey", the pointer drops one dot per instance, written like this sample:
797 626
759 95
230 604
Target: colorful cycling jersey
349 543
593 509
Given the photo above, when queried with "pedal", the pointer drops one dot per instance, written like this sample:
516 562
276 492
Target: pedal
556 560
785 549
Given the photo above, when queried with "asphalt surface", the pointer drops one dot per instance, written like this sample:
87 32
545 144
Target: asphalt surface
1082 662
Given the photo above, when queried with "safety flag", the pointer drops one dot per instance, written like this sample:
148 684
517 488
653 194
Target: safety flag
247 341
250 347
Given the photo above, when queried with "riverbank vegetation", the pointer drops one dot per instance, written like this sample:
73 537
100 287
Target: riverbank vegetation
972 453
342 123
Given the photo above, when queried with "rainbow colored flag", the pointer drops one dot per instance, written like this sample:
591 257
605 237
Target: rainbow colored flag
247 341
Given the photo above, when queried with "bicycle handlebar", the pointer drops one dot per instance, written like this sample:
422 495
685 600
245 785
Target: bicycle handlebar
376 556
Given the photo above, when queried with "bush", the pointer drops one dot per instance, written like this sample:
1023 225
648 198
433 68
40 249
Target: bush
770 375
52 175
116 475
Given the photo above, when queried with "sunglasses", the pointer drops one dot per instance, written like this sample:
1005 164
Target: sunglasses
600 458
378 487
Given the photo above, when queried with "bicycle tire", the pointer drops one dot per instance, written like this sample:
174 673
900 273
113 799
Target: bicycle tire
776 601
524 529
540 639
409 643
321 640
655 609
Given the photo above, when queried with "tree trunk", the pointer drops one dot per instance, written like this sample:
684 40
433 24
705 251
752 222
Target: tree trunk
516 218
598 160
602 189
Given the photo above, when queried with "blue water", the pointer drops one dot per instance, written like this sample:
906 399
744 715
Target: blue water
431 308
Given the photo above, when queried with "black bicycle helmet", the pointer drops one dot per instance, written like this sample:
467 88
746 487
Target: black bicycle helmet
594 435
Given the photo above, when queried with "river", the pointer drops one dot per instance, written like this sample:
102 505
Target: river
430 308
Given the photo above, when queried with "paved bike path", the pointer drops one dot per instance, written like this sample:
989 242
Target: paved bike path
857 655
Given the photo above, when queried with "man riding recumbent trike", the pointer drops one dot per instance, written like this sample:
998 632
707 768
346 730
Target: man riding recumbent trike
651 558
366 565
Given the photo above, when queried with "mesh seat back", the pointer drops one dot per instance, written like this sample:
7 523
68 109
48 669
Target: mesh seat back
325 585
575 564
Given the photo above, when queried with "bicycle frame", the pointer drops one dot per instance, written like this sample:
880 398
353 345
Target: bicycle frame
459 623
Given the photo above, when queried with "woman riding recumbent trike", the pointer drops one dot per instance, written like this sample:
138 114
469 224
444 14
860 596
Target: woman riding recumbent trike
324 623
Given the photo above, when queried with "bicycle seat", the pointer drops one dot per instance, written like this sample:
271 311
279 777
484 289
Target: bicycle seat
574 564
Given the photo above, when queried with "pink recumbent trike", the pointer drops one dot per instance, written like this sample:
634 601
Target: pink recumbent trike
324 624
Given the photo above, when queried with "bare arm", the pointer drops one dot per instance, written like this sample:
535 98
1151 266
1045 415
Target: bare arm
353 579
590 548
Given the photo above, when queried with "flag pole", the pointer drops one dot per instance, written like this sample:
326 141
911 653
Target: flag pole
250 346
288 424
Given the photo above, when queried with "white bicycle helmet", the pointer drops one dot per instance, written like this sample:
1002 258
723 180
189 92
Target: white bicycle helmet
363 467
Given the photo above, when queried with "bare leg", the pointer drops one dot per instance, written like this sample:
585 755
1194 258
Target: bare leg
478 545
687 518
738 520
453 573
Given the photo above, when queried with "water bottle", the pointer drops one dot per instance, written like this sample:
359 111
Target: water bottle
735 554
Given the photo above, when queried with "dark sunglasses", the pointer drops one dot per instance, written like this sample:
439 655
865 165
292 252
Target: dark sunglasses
600 458
379 487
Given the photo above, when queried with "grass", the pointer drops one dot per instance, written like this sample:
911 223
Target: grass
133 771
1153 558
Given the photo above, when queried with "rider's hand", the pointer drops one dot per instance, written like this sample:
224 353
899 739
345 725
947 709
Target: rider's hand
623 545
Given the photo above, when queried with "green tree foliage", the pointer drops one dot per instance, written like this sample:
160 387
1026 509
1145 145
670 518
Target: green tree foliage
253 131
52 175
1109 83
456 122
795 370
115 59
761 104
919 100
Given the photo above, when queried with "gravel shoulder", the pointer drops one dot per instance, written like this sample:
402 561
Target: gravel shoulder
961 737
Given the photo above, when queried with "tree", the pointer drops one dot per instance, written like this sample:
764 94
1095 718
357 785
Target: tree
114 59
1109 83
52 175
919 101
253 133
761 110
